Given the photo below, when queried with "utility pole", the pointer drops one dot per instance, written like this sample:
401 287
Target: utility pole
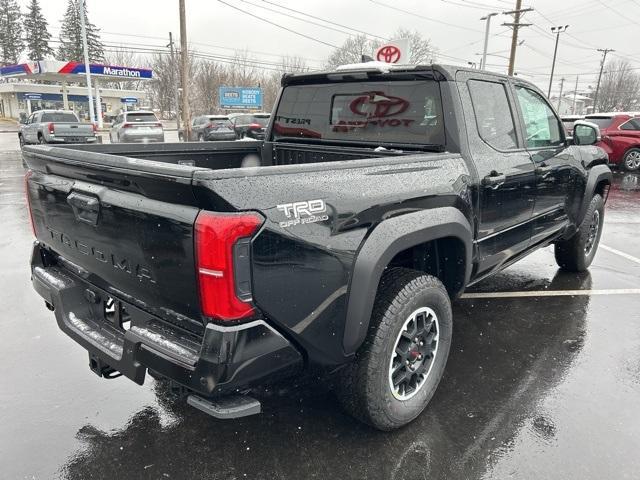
184 56
174 81
604 51
575 93
516 25
557 31
487 18
87 70
560 95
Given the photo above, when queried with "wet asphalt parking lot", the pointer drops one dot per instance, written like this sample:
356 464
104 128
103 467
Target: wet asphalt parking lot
543 382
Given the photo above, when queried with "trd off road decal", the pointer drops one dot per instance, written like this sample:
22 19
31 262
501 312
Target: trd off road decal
297 213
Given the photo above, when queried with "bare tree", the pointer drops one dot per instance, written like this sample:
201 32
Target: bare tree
619 88
351 51
353 48
271 80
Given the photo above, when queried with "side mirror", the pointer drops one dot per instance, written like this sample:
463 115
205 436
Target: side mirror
585 133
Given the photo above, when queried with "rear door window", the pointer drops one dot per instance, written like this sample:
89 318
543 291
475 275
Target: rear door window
494 117
633 124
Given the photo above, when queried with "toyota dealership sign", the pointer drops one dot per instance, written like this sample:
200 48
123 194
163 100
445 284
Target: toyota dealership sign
394 51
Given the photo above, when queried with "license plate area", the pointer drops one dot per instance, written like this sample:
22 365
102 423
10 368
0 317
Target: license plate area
116 314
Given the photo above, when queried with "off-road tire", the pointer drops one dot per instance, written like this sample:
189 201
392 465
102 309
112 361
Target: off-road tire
576 253
41 140
363 386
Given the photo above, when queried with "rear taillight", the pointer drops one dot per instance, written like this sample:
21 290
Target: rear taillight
94 127
159 125
254 126
52 128
222 244
127 125
27 176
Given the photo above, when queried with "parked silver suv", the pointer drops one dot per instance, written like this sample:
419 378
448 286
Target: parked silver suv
136 126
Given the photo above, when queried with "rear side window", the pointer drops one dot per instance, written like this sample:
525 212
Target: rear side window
542 126
601 122
141 117
59 117
633 124
493 114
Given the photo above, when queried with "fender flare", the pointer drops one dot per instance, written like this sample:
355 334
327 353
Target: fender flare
385 242
597 174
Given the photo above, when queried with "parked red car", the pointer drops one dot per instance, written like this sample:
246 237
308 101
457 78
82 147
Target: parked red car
620 137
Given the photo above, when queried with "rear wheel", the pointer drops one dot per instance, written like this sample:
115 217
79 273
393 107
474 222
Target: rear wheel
200 137
21 140
399 366
41 139
576 253
631 160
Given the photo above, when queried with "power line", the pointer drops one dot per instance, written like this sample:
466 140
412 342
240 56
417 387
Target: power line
296 18
414 14
325 20
279 26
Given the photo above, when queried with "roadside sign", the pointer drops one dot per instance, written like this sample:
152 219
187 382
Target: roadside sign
241 97
394 51
33 96
129 100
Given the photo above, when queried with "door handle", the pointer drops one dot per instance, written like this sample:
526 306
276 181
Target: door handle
494 180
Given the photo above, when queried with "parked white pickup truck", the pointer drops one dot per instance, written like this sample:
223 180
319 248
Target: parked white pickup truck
55 126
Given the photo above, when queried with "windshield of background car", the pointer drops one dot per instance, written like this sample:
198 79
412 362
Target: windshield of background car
407 112
141 117
262 120
59 117
602 122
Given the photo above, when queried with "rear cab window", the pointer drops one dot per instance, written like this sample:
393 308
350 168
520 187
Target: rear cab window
141 117
375 112
59 117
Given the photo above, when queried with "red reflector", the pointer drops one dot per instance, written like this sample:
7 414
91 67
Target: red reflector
27 176
95 127
215 236
127 125
255 125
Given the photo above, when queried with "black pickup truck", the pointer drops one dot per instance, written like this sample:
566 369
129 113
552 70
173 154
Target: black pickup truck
336 245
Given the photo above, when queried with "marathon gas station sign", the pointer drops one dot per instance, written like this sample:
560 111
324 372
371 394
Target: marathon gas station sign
56 70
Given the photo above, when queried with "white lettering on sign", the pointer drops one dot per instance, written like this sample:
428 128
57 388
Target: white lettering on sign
121 72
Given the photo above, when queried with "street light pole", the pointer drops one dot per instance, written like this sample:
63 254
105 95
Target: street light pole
487 18
174 80
87 70
557 31
560 95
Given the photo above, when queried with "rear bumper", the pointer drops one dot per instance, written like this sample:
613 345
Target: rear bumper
220 361
212 137
58 139
141 137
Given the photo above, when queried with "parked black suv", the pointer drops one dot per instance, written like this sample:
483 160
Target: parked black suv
252 125
208 128
372 208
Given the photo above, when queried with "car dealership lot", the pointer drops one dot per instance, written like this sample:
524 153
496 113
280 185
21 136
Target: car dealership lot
543 381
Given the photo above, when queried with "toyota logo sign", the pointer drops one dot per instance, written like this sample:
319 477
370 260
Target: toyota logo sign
388 54
383 105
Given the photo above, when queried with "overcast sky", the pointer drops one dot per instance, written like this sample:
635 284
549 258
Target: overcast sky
453 26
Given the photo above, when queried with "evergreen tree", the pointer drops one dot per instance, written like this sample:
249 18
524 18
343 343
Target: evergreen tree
71 37
11 43
36 32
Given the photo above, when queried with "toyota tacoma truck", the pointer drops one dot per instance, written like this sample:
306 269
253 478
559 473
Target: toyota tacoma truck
336 245
55 126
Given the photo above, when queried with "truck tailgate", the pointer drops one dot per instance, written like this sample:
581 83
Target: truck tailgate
124 225
73 129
